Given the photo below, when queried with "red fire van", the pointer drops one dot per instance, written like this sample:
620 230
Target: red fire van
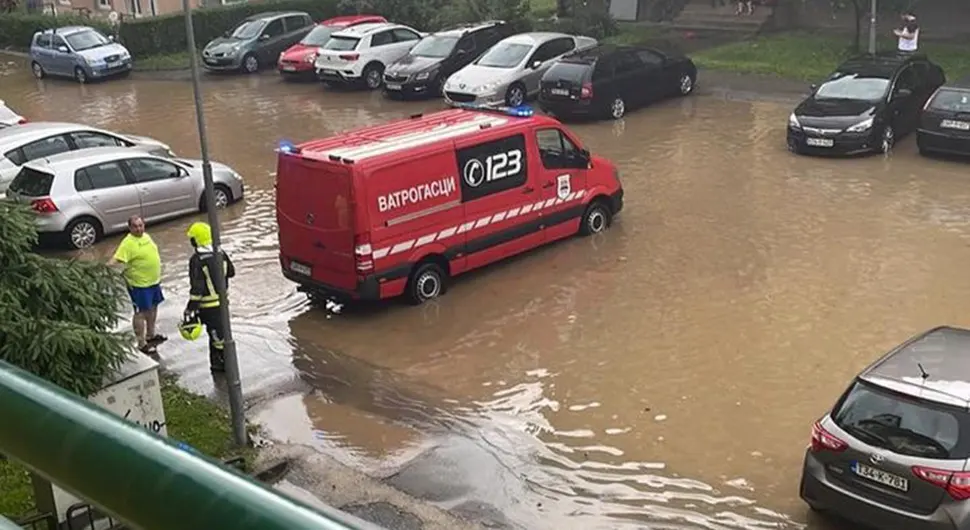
400 208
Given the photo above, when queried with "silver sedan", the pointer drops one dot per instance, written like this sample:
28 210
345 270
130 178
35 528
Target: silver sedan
509 72
84 195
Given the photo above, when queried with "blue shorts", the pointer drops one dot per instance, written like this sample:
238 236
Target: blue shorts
146 298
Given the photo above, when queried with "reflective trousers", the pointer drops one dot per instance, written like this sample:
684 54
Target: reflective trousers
212 321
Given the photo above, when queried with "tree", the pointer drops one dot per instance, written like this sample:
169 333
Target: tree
861 10
57 316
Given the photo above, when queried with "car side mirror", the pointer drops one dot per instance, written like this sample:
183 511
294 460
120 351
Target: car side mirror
264 37
813 87
62 49
462 53
111 38
535 65
181 172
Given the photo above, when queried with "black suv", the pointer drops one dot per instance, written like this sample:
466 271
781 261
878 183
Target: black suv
607 80
945 122
868 104
423 71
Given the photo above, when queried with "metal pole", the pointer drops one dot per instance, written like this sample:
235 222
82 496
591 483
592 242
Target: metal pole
134 475
232 362
872 26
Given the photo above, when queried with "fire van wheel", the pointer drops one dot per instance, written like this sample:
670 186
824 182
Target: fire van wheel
427 282
596 219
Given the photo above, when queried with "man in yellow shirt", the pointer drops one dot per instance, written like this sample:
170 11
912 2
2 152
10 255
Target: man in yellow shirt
143 274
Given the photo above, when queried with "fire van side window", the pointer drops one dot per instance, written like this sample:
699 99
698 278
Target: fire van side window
492 167
556 150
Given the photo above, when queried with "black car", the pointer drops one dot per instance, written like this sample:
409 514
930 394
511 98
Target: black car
423 71
868 104
607 80
945 122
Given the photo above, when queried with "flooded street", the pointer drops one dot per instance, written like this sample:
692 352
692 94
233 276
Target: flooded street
664 375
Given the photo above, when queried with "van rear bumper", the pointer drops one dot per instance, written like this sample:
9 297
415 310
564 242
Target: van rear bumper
368 289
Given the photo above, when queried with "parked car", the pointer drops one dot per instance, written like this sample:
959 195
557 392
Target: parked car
256 41
84 195
81 52
297 60
510 71
422 72
359 54
945 121
608 80
24 143
868 104
894 450
8 117
436 196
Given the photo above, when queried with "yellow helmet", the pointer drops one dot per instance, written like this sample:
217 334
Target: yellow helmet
201 233
191 326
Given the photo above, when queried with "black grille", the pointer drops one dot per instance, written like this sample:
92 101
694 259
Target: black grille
395 78
111 58
460 97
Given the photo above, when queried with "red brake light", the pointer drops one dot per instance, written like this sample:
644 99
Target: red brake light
587 91
363 254
823 440
350 56
43 205
22 121
956 483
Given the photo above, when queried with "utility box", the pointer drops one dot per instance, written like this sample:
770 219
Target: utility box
133 393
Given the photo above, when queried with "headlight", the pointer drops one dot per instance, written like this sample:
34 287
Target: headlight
793 121
310 57
486 87
423 76
864 125
234 49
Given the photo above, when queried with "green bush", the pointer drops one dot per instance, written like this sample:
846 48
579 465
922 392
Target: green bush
165 34
17 29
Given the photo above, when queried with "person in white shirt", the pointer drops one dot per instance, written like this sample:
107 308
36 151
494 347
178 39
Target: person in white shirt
908 33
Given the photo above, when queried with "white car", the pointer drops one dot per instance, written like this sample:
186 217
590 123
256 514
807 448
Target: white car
9 118
360 53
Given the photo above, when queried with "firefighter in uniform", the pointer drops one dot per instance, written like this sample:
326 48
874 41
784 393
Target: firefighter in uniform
204 301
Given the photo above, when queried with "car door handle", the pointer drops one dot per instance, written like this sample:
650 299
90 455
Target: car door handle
528 190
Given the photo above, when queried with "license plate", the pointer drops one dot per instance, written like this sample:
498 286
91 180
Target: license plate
953 124
328 71
559 92
820 142
300 268
289 68
393 86
876 475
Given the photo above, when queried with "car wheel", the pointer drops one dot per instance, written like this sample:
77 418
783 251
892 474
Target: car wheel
223 197
888 140
596 219
37 70
515 95
79 75
686 84
617 108
374 76
427 282
250 64
83 232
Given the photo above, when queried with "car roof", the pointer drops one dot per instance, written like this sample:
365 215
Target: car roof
35 130
67 30
879 65
351 20
462 29
942 353
273 14
535 37
419 131
361 30
590 55
71 161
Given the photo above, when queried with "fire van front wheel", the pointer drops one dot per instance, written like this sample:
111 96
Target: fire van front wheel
596 219
427 282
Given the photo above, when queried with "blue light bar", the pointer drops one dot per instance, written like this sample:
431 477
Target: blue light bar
286 146
522 111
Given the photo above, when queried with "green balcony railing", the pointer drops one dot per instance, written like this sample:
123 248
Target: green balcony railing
144 480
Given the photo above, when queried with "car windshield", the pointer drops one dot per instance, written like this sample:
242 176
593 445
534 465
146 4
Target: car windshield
853 86
951 100
434 46
318 36
32 183
903 425
341 44
505 55
247 30
85 40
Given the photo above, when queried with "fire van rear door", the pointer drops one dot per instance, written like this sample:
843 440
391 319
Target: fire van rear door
315 212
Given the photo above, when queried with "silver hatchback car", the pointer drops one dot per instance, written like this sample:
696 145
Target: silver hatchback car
893 452
32 140
84 195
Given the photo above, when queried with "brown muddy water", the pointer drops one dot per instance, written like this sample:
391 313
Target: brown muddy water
664 375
